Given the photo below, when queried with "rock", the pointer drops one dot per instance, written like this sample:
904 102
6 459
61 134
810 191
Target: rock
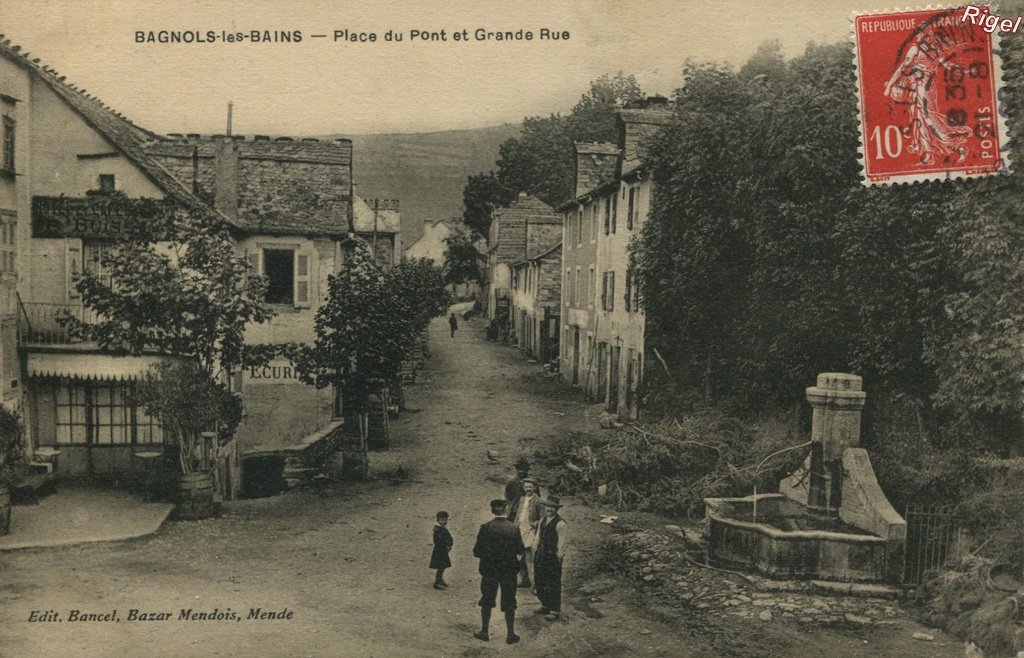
925 637
766 615
602 490
649 577
856 619
674 528
644 631
744 598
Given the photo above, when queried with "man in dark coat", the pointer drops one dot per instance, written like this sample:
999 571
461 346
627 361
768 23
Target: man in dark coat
514 487
548 553
499 546
453 323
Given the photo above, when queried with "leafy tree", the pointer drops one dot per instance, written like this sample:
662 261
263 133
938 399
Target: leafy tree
463 262
368 325
177 286
540 161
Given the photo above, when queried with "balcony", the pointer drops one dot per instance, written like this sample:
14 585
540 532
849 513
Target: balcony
39 323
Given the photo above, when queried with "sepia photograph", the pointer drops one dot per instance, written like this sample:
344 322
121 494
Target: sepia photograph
576 328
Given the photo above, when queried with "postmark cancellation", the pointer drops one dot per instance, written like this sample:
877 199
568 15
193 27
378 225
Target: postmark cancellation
929 85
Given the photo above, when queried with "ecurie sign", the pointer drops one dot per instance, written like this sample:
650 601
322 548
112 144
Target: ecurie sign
99 216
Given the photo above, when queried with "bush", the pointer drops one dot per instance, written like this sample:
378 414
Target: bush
670 466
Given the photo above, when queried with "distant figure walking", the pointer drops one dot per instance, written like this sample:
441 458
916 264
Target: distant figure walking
499 546
454 324
548 553
442 547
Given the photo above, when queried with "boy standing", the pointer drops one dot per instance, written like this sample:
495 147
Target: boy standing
442 546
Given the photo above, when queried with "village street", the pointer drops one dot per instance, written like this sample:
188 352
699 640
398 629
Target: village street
349 561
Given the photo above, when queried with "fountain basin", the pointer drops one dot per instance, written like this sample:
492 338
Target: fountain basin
784 540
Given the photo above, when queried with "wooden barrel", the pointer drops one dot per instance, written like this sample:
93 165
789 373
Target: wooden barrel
5 509
195 495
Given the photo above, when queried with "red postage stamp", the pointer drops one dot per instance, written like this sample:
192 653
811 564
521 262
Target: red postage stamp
929 85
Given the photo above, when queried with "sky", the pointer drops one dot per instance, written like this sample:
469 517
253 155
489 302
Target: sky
322 85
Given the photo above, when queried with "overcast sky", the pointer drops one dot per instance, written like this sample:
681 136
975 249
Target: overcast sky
322 86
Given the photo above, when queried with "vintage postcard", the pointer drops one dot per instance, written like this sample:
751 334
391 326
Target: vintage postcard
579 328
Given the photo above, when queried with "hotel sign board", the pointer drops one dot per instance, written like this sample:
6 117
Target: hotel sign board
98 217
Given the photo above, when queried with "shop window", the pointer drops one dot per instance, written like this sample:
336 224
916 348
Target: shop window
103 413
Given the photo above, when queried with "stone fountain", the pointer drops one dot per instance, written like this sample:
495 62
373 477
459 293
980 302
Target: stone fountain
830 519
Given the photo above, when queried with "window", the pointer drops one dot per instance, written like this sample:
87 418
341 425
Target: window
607 214
614 200
578 292
590 286
103 413
287 272
593 221
629 213
567 286
96 253
8 156
579 230
8 247
107 183
608 291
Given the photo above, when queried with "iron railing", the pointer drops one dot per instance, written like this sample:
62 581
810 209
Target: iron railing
933 540
39 323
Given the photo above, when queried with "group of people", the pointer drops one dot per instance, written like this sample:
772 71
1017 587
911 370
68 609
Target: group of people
526 531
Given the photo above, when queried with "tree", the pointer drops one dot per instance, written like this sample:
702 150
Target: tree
368 324
463 262
541 161
175 285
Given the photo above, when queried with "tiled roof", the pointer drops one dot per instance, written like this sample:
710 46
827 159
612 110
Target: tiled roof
538 256
527 208
124 135
597 148
284 186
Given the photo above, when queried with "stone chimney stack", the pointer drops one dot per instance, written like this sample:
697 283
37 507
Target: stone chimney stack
596 162
225 181
638 123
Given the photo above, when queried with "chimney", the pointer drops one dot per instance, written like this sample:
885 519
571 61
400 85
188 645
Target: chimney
638 123
596 162
225 177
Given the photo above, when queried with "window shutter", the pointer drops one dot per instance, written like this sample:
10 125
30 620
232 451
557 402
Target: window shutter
611 291
629 288
629 215
302 279
72 266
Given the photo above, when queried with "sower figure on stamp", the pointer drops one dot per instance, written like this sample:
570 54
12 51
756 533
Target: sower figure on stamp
443 543
526 515
500 548
548 553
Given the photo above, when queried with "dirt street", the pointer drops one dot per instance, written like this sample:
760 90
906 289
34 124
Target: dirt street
349 561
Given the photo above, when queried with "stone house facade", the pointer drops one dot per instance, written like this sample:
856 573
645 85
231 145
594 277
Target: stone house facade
525 227
536 302
603 334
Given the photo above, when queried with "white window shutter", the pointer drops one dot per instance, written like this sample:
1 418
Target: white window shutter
72 266
302 293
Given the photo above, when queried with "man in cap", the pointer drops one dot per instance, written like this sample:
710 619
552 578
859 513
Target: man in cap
499 546
514 487
548 553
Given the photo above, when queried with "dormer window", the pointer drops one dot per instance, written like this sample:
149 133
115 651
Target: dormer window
107 184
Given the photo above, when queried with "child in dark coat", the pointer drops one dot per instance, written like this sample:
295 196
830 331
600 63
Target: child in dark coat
442 546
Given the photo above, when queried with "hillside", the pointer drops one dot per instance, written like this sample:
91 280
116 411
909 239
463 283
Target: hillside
425 171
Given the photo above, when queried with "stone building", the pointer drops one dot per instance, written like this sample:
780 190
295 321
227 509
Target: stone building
525 227
602 346
536 302
378 222
290 202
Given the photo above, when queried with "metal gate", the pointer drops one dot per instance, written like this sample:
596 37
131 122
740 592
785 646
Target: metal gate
932 540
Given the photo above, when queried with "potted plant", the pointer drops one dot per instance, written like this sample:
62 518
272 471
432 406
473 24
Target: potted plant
12 455
198 414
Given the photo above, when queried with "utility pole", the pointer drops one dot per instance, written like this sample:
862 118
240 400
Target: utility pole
230 104
376 207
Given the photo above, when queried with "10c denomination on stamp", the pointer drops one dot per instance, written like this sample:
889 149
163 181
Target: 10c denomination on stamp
928 87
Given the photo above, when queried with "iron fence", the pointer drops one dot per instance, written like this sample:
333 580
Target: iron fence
933 539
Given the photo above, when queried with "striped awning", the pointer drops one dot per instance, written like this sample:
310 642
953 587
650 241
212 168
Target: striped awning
89 366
